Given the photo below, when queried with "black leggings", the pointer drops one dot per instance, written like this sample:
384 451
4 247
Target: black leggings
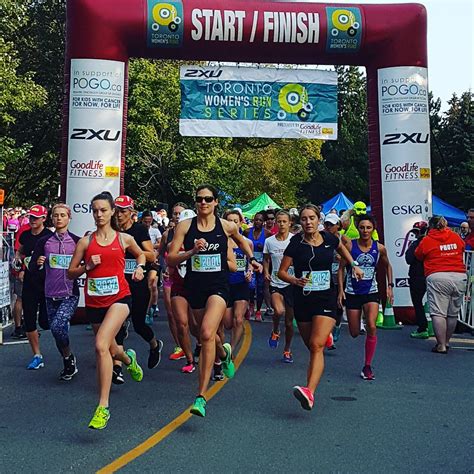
140 299
34 308
417 291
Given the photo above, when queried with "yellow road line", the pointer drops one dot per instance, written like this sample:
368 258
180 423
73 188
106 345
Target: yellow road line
181 419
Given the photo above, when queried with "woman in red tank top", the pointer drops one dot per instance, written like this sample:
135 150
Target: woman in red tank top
102 257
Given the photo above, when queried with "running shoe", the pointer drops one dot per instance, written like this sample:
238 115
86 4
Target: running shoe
199 407
269 312
304 396
258 316
156 312
149 317
177 354
155 355
36 363
196 354
189 368
100 418
420 335
135 371
362 328
19 333
329 341
287 357
228 364
218 374
274 339
367 373
117 375
70 368
336 333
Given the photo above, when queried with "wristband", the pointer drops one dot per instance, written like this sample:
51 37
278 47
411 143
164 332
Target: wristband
391 285
354 264
253 259
141 265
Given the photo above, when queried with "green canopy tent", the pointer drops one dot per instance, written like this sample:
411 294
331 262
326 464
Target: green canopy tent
260 203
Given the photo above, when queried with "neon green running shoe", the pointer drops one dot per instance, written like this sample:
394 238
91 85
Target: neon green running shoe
100 418
199 407
135 371
228 364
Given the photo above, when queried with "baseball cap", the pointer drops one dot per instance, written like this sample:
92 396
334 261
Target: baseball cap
293 211
420 225
186 214
38 211
360 207
332 218
124 202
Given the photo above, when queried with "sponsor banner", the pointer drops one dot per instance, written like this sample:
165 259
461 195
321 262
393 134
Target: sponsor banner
405 163
264 102
165 24
95 135
344 33
4 285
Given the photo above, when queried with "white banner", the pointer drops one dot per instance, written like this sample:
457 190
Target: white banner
95 135
4 285
405 161
258 102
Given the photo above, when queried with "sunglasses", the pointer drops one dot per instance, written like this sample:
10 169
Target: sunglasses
208 199
270 218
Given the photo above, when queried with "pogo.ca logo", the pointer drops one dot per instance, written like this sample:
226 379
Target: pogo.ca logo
344 29
294 99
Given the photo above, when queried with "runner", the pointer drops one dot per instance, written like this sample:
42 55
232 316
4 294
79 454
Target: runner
53 253
34 303
281 292
332 224
239 286
257 234
101 255
165 243
182 313
155 237
140 292
364 294
207 252
311 254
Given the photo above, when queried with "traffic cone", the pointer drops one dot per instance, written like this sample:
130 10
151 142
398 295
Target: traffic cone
426 307
389 318
379 321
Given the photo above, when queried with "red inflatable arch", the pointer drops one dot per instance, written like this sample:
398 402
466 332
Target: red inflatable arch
389 40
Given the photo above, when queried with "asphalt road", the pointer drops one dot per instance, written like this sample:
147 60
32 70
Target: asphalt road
417 416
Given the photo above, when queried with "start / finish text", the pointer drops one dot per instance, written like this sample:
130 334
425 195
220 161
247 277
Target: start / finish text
278 27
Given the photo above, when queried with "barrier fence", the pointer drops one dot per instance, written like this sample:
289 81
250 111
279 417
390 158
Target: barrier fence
7 253
466 316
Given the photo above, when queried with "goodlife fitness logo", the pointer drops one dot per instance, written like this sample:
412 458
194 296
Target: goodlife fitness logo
409 171
92 169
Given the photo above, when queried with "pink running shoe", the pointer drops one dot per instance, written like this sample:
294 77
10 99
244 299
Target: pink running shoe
305 397
258 316
189 368
330 341
367 373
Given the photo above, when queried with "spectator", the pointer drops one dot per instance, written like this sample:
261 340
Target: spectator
442 252
470 238
417 281
464 230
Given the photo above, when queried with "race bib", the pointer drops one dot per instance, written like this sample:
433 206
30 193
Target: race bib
335 267
258 256
368 273
318 281
59 262
130 266
26 261
206 263
241 264
102 286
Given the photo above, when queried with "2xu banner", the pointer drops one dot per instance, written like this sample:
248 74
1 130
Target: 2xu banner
405 162
264 102
95 135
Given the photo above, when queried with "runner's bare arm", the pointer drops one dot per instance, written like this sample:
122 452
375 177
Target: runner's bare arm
130 245
77 267
345 253
174 257
283 274
266 266
384 261
148 251
231 230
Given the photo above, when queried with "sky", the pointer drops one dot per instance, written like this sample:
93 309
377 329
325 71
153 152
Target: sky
450 45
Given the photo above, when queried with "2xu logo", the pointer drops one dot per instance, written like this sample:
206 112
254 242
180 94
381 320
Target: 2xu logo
207 73
90 134
401 138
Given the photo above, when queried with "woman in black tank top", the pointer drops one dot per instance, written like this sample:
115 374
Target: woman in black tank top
207 254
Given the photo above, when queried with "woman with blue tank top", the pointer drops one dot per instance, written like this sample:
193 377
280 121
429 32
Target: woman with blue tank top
206 252
257 235
363 295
